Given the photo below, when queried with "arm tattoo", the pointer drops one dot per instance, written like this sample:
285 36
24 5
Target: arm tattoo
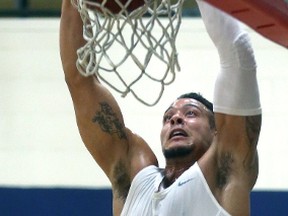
108 121
253 126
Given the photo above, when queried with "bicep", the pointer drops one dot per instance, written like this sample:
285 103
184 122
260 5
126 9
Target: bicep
105 135
100 122
233 130
237 138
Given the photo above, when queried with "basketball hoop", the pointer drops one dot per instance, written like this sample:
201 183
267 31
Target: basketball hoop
131 45
267 17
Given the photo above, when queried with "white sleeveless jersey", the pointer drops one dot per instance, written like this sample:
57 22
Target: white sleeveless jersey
189 195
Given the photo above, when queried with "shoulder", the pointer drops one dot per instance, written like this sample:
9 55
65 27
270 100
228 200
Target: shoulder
140 154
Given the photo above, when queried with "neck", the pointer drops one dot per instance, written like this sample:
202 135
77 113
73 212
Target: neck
174 169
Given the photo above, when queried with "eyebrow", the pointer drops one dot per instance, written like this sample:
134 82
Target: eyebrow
187 105
193 105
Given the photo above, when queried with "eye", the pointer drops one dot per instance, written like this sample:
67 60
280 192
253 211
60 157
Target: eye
191 113
166 118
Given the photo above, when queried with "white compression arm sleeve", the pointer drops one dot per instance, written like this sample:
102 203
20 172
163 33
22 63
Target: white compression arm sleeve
236 89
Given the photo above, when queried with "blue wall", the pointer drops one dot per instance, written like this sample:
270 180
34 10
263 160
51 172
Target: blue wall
86 202
269 203
55 202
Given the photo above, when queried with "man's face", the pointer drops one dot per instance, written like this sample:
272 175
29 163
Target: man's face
186 129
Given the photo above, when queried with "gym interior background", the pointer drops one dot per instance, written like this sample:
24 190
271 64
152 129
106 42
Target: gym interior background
45 168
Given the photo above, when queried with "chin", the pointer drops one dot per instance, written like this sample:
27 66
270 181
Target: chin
177 151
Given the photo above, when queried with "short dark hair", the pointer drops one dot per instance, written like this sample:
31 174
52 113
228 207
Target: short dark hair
198 97
204 101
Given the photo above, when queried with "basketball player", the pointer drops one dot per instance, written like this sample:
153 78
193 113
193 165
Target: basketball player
211 154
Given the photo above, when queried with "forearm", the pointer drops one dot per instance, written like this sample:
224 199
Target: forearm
71 38
236 89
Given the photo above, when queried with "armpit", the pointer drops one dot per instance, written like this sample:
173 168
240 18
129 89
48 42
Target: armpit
224 169
121 181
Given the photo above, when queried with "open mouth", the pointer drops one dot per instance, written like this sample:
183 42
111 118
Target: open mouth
177 133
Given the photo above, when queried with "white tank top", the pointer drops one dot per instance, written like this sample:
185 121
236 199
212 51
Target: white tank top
189 195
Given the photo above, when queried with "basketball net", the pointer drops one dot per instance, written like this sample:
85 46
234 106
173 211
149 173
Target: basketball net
132 50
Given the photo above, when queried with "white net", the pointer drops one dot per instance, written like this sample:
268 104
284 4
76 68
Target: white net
129 48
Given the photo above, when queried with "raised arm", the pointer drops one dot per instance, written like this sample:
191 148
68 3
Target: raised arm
119 152
237 112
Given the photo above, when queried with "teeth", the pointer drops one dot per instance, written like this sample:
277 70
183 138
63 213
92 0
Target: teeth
177 133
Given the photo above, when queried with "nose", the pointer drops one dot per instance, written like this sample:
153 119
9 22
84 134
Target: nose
177 119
